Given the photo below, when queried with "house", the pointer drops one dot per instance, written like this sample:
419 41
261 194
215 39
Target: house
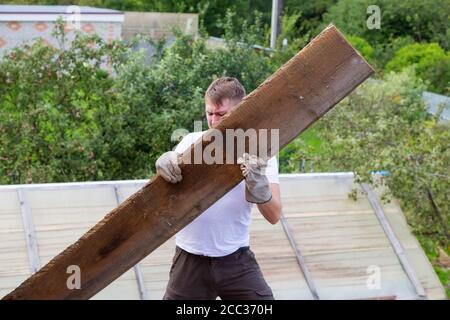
24 23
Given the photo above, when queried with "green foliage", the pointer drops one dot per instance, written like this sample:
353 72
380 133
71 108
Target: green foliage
384 52
55 107
64 118
423 20
362 46
211 12
295 43
431 61
444 277
168 94
303 150
309 15
431 248
384 126
288 23
402 23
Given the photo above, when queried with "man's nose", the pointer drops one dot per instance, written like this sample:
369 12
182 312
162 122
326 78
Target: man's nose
216 118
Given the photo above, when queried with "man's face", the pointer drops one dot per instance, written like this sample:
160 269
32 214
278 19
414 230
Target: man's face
215 112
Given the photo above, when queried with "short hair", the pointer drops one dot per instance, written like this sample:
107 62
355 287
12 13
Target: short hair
224 88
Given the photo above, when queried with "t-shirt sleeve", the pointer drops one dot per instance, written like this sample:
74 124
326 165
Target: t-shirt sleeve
272 170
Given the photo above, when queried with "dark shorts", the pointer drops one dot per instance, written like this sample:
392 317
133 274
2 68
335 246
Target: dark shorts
233 277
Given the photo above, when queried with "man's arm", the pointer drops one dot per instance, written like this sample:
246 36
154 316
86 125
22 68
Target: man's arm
271 210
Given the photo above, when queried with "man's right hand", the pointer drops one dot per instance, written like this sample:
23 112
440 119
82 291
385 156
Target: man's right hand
167 167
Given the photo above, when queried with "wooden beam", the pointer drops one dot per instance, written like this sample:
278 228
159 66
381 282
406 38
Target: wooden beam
30 233
293 98
300 259
394 241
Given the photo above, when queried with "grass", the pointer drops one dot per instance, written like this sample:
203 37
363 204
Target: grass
309 140
431 248
444 277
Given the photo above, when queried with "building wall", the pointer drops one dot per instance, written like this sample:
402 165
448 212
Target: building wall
158 25
15 33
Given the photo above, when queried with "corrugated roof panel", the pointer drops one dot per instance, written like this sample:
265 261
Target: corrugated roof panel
339 239
277 260
14 264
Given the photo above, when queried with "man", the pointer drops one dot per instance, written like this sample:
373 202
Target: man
212 257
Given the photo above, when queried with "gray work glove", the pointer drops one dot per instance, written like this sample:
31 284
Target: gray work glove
167 166
257 188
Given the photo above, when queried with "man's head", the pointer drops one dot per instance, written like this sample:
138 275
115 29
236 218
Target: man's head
222 95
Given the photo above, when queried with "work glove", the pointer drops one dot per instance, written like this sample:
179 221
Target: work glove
168 168
257 188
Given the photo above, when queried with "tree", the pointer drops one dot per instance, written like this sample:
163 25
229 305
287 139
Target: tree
432 63
211 12
65 118
384 127
419 19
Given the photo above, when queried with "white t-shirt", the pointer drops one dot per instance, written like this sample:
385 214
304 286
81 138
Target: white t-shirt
224 227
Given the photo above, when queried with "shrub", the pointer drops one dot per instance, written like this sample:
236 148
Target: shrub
64 118
362 46
431 61
422 20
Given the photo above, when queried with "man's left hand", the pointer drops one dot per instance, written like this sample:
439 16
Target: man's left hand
257 188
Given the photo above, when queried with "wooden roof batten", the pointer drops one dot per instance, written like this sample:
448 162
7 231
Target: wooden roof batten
393 240
300 259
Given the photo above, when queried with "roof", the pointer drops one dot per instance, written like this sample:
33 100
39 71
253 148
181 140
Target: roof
50 13
326 244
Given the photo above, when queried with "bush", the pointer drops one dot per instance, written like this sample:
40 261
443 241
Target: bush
362 46
309 15
431 61
422 20
384 52
56 108
64 118
384 126
388 129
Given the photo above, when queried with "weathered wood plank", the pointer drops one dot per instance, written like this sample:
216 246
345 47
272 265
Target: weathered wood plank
298 94
30 233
